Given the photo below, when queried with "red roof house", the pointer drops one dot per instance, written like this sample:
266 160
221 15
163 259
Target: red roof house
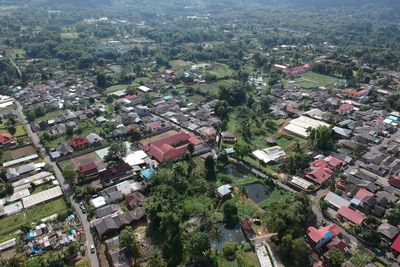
338 244
297 70
135 199
171 147
396 244
345 108
335 162
355 94
320 172
350 215
88 168
394 181
362 193
78 142
316 235
7 139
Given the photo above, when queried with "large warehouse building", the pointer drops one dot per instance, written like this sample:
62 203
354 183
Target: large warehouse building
300 125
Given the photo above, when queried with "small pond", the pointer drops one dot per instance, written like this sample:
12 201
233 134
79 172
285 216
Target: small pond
256 192
232 235
235 171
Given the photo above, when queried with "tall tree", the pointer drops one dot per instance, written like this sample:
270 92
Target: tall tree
128 241
116 152
209 165
230 212
336 257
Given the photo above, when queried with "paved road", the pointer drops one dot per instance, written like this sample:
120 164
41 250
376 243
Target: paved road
64 186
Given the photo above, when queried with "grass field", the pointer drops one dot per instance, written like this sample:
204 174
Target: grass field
69 35
50 115
221 71
20 130
116 88
180 65
213 88
14 52
311 79
9 225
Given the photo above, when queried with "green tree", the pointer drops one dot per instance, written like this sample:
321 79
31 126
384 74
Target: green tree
372 237
230 211
128 241
222 109
196 246
393 215
321 138
101 81
288 214
223 158
156 260
336 257
116 152
296 162
229 250
242 149
70 174
209 165
12 130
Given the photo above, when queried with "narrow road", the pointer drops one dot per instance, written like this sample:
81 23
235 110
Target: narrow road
94 261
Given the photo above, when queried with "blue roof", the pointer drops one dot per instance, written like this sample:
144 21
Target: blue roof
167 97
229 150
393 118
355 201
147 173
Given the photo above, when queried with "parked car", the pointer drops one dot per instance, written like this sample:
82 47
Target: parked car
92 249
82 206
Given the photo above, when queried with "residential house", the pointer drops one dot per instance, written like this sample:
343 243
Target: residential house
111 225
78 142
319 172
94 138
228 137
7 139
135 199
351 216
171 147
388 232
120 172
13 174
88 169
320 237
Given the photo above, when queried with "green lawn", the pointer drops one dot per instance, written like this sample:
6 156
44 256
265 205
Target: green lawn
20 130
65 164
311 79
9 225
14 52
116 88
69 35
50 115
284 141
5 156
221 71
42 187
213 88
276 194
